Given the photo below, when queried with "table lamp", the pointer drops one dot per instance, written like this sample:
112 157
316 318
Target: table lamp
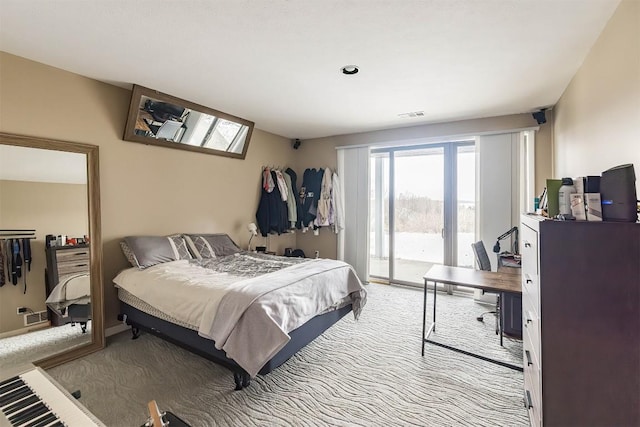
253 229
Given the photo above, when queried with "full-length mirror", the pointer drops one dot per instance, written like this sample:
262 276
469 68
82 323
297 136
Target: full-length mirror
50 248
160 119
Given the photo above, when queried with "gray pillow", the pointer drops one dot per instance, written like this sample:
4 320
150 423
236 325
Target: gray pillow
211 245
152 250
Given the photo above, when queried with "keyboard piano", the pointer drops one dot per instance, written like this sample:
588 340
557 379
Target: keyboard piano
33 400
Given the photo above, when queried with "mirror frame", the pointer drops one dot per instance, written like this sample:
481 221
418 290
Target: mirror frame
134 107
95 242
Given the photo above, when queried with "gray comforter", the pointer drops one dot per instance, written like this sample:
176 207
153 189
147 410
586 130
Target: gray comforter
252 321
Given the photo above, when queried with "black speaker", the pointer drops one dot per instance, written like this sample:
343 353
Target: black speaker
296 143
618 194
540 116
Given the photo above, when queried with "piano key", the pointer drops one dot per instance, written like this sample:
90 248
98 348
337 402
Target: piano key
16 394
46 420
11 386
26 414
9 380
39 418
42 404
21 404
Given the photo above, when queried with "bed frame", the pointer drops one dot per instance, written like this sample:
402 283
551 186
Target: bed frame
190 340
80 313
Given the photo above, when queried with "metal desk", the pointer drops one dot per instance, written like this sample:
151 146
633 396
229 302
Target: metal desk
501 282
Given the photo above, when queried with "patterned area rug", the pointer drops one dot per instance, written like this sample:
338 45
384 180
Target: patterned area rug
364 373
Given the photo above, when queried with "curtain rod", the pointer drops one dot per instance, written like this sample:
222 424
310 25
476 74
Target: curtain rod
436 139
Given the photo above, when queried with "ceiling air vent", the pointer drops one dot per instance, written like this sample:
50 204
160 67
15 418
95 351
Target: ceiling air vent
411 114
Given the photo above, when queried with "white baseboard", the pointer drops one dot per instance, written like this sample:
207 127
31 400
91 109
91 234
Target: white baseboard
21 331
115 329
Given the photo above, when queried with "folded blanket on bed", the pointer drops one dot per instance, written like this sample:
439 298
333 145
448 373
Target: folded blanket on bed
252 320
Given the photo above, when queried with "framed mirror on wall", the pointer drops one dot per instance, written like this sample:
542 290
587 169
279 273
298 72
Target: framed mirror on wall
159 119
52 312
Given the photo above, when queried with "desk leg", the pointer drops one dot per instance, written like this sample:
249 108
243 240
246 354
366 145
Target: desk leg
500 316
435 285
424 315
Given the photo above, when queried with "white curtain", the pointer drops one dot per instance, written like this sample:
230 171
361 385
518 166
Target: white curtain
353 240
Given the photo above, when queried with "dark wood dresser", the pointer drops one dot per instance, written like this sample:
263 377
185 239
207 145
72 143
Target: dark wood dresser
581 322
61 261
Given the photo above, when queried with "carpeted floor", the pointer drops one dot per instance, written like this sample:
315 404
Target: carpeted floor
364 373
17 352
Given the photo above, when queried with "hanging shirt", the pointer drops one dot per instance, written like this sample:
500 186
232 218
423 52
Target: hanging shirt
282 185
267 180
291 201
324 201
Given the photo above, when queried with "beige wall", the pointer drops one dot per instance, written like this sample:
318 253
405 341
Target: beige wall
322 153
155 190
49 209
144 189
597 119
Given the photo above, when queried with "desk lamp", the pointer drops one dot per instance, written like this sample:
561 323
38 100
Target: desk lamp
253 229
514 230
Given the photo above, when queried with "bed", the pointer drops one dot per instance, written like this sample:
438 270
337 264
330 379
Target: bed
246 311
71 299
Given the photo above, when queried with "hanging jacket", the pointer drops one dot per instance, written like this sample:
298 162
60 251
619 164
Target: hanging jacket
303 206
271 215
313 193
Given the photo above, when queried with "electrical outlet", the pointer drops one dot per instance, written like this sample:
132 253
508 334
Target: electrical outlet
21 310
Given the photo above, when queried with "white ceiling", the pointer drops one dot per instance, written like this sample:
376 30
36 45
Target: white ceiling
277 62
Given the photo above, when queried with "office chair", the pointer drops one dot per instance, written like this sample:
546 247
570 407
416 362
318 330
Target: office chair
168 130
485 265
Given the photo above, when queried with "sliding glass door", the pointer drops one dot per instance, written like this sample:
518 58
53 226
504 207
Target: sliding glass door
417 218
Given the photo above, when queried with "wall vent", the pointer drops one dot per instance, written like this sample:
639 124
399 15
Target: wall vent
411 114
35 318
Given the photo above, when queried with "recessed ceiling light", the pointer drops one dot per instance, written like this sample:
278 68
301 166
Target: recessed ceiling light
350 69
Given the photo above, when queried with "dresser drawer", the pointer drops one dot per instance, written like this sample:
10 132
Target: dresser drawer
531 331
72 254
533 410
73 267
529 251
531 292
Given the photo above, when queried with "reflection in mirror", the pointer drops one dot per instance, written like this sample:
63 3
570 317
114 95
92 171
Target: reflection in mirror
51 298
160 119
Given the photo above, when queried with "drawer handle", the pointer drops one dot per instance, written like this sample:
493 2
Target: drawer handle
527 400
528 355
81 253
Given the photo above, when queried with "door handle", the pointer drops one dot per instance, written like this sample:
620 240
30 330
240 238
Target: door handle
442 233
